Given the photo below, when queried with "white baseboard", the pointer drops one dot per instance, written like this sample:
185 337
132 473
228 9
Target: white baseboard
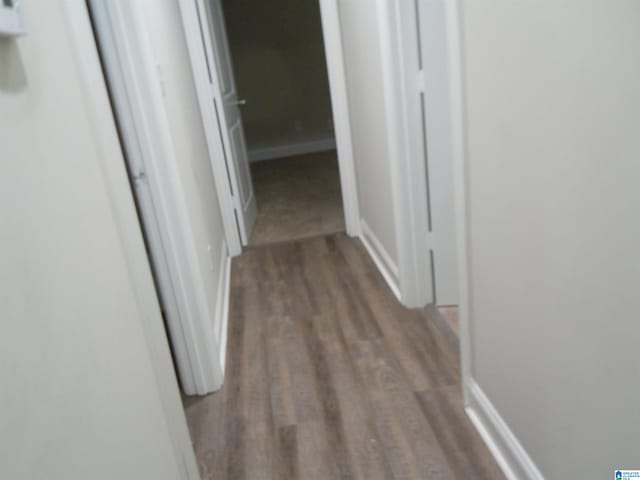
290 149
503 444
222 305
381 258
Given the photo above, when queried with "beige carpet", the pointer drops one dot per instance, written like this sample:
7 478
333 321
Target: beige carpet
297 197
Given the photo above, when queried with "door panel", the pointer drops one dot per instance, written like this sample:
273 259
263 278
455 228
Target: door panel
224 93
438 140
243 174
222 59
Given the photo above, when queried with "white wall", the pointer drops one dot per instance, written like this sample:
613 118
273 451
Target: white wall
79 398
363 69
552 118
279 66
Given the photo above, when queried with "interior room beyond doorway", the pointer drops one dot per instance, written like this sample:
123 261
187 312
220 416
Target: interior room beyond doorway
278 57
297 197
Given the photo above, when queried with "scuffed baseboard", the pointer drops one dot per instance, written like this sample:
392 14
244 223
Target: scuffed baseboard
503 444
381 258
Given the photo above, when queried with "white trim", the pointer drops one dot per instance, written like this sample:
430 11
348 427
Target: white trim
503 444
197 55
191 330
12 22
340 107
290 149
123 71
222 305
111 161
427 19
381 258
396 21
458 114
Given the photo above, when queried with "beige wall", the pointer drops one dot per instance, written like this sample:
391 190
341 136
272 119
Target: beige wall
365 91
78 398
280 69
553 115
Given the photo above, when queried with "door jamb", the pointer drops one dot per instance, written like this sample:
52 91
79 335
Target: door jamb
330 19
458 122
337 82
398 45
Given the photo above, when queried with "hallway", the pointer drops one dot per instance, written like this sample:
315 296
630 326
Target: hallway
329 377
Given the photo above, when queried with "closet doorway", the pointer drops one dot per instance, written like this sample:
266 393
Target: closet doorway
280 70
279 122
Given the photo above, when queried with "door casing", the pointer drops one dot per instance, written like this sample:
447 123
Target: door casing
198 342
417 99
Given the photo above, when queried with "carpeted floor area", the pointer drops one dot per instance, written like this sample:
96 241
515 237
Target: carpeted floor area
298 197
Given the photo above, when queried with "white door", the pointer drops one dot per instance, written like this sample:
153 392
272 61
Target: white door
436 110
225 98
130 71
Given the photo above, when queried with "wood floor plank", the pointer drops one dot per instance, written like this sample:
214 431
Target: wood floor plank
279 377
257 413
315 454
325 389
235 426
465 451
329 377
362 438
287 454
420 451
206 422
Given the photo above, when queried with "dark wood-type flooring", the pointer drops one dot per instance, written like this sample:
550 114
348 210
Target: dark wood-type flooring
329 377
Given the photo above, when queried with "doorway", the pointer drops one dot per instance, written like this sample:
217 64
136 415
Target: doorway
279 66
279 127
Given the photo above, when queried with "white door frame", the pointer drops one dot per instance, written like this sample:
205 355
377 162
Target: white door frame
454 20
114 174
424 224
398 44
340 108
138 96
435 123
191 11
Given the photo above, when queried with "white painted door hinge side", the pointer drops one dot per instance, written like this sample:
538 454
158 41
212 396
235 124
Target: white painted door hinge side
235 198
139 177
430 241
163 87
420 78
